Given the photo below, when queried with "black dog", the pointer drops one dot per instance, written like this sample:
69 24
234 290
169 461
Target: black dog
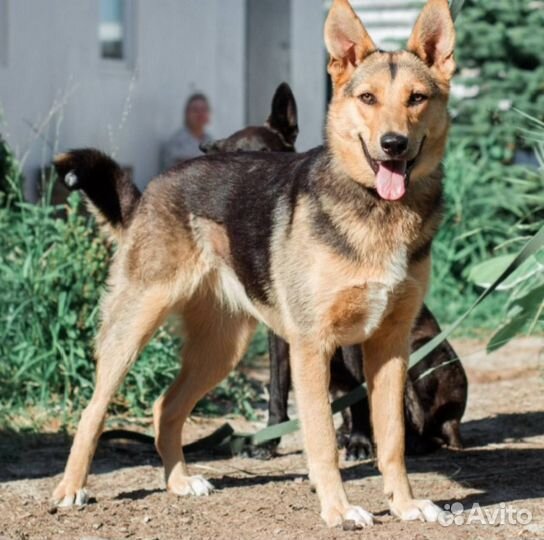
433 405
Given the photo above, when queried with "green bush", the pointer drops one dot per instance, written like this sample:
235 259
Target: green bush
52 275
523 308
499 50
489 211
492 206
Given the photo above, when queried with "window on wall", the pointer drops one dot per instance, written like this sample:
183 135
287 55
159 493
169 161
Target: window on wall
112 30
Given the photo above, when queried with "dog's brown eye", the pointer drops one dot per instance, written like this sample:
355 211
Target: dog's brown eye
416 98
368 99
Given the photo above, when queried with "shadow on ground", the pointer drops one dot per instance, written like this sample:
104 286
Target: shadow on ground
481 466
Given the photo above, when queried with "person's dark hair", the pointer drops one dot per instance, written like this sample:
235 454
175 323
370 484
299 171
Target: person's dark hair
198 96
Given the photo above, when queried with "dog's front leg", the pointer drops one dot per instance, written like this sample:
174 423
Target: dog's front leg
310 368
386 359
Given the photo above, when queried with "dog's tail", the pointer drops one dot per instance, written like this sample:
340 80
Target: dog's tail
112 196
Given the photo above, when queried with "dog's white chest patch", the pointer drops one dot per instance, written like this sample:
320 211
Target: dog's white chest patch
395 273
377 304
378 292
396 268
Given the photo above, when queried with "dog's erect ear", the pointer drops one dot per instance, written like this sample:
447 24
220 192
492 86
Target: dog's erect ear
346 39
433 38
283 117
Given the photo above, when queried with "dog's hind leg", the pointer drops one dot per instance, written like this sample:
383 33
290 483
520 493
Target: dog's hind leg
451 434
310 367
215 342
131 317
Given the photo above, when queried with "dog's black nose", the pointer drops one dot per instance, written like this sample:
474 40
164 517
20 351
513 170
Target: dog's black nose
394 144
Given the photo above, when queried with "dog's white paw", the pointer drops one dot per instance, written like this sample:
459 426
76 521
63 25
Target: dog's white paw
352 517
359 516
430 511
78 498
191 485
417 509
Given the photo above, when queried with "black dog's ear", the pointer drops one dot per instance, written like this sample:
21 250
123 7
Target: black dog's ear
210 147
283 117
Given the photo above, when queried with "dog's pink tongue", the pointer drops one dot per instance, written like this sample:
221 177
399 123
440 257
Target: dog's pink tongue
391 180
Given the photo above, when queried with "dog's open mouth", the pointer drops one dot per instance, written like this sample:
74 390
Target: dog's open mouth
392 176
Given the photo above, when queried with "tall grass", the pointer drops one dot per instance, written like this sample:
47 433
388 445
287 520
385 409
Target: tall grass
522 294
490 210
52 275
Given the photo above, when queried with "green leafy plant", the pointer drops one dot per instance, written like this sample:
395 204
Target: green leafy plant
524 307
52 275
455 7
524 310
488 212
501 65
491 204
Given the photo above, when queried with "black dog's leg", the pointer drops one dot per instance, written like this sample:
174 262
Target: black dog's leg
280 379
359 445
280 384
452 434
347 374
434 404
417 441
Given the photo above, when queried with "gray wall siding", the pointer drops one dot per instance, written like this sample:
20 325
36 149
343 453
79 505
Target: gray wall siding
268 54
49 61
3 32
389 22
179 47
285 43
308 70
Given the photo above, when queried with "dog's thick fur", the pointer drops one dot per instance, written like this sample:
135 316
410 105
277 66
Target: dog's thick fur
433 405
302 242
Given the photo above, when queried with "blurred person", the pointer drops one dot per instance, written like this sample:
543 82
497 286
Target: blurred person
185 143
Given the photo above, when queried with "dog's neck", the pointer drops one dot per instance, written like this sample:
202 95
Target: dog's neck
350 210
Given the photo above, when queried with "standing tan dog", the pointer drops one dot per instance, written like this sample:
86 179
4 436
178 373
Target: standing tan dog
328 248
433 405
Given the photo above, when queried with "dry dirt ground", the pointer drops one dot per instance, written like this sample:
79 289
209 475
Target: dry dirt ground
501 468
